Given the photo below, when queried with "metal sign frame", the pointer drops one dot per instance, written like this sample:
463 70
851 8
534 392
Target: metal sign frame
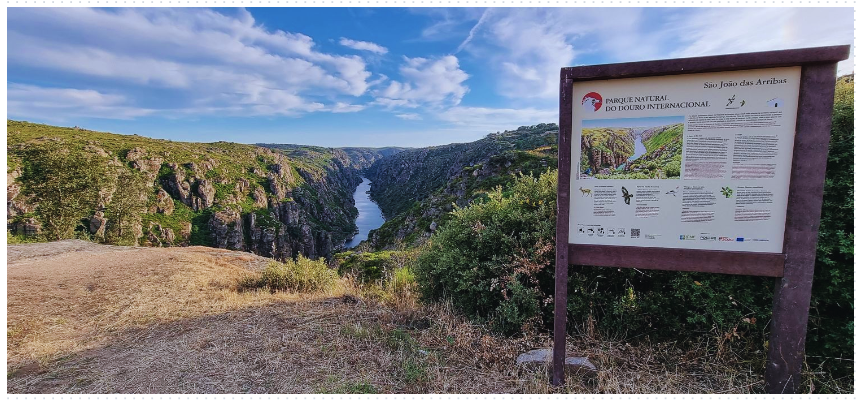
793 268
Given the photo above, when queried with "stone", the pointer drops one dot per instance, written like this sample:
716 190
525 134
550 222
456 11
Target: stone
535 356
227 229
580 366
163 203
149 165
433 226
97 224
259 198
205 192
278 189
241 185
176 185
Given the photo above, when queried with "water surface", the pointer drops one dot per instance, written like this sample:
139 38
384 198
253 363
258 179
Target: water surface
639 148
368 217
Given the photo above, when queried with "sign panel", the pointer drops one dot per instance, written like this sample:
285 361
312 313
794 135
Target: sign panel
696 161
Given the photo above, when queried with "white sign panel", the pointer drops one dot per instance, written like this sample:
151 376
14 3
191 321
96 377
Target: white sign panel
697 161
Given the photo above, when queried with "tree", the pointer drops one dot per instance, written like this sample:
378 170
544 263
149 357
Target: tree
128 202
67 184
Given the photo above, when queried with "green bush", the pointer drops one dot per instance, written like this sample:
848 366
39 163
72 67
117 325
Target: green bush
830 340
372 267
492 259
302 275
67 184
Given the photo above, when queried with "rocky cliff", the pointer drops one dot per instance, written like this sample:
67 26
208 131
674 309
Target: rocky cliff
416 189
402 179
605 149
270 201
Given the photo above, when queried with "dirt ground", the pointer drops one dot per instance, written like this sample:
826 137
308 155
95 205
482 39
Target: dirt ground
89 318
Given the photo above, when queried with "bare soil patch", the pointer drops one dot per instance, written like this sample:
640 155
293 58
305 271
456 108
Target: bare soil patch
87 318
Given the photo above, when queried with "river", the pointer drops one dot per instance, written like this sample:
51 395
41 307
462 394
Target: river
368 217
639 148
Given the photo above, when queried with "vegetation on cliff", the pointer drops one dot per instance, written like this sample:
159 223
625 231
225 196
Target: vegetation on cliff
278 203
417 189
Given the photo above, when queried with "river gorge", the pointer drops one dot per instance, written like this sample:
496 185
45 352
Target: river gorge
369 214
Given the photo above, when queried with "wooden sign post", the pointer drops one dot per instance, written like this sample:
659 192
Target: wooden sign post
709 164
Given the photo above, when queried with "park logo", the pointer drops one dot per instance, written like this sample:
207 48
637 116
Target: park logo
592 101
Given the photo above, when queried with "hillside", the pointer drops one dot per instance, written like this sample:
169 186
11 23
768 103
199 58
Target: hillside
411 175
270 201
358 157
605 149
417 188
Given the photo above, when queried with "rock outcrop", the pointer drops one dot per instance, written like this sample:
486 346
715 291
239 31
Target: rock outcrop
278 202
227 229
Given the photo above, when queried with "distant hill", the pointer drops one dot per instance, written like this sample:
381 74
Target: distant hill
358 157
416 188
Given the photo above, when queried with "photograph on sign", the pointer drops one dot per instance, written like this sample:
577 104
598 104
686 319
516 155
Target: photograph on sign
631 148
696 161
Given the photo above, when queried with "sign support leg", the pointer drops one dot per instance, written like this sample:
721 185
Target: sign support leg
562 203
792 292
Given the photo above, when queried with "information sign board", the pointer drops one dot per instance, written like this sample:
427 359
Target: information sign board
707 164
696 161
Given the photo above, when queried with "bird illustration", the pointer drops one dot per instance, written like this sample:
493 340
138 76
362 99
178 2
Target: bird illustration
626 195
672 192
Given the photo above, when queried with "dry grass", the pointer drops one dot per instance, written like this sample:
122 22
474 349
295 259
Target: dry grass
99 319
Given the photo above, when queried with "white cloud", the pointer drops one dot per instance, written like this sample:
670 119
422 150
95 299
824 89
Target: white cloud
60 104
725 31
496 119
527 47
359 45
212 61
346 108
410 116
434 82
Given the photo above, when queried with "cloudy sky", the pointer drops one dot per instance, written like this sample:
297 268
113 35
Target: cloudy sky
357 77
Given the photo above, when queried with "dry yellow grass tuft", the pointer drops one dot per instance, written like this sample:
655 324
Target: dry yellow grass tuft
86 318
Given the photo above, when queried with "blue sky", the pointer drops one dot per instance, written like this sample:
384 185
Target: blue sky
645 122
353 76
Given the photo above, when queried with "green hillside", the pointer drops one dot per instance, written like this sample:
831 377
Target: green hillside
418 188
270 201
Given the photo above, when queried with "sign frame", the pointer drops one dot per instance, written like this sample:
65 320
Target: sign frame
793 268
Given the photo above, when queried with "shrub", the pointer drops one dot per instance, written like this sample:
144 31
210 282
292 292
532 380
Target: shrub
830 339
373 267
126 206
67 183
494 261
384 276
491 259
302 275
